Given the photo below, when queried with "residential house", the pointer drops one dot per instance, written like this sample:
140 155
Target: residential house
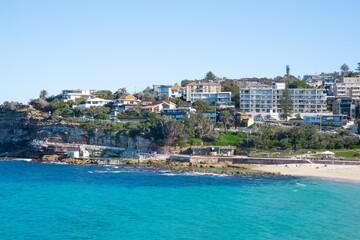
313 80
94 102
242 120
179 113
327 81
128 100
161 90
169 91
155 107
176 92
68 95
168 105
124 104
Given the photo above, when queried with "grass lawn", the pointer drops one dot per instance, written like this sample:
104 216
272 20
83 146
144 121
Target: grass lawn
228 139
272 154
347 154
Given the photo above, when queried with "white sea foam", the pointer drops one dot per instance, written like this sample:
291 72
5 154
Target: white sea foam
107 171
169 174
58 163
203 174
301 184
24 159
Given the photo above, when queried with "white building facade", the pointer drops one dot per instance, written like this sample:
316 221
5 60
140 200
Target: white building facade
94 102
348 87
267 100
68 95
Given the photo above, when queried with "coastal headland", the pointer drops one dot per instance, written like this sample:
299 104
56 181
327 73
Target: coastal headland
28 133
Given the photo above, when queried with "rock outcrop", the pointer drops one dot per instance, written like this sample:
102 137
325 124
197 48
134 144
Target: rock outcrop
25 134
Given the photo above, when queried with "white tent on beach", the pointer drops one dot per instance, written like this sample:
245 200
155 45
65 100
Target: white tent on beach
327 155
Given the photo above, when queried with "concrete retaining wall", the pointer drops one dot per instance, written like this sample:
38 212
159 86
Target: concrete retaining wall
263 160
253 160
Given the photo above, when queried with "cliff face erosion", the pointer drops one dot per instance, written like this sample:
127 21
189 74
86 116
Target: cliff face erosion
28 133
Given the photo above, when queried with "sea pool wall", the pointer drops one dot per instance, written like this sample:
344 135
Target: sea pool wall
255 160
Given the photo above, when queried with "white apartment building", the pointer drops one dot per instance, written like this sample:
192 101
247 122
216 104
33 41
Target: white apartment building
348 87
266 100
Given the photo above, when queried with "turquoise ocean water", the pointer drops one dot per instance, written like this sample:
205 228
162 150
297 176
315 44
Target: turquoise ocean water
49 201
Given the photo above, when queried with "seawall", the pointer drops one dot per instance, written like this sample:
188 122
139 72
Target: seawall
256 160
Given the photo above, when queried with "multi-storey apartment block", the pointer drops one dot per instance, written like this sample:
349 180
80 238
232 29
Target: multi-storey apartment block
266 100
348 87
344 106
201 87
208 92
218 98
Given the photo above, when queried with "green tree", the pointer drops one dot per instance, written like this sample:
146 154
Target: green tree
10 105
344 69
121 93
225 117
201 106
233 87
265 80
40 104
185 82
99 112
104 94
210 76
287 70
168 132
43 94
179 102
294 82
286 103
164 97
146 95
203 127
358 67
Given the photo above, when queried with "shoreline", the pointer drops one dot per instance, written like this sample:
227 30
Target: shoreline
350 173
205 168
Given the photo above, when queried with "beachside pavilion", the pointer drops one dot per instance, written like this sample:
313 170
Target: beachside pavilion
213 151
327 155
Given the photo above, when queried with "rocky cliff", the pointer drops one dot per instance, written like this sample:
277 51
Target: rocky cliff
23 134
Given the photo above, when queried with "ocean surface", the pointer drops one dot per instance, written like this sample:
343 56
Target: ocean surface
53 201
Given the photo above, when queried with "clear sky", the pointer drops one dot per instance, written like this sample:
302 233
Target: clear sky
109 44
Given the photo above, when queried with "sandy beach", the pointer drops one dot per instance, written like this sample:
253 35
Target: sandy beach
341 172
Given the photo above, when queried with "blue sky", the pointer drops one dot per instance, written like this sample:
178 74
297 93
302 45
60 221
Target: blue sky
87 44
